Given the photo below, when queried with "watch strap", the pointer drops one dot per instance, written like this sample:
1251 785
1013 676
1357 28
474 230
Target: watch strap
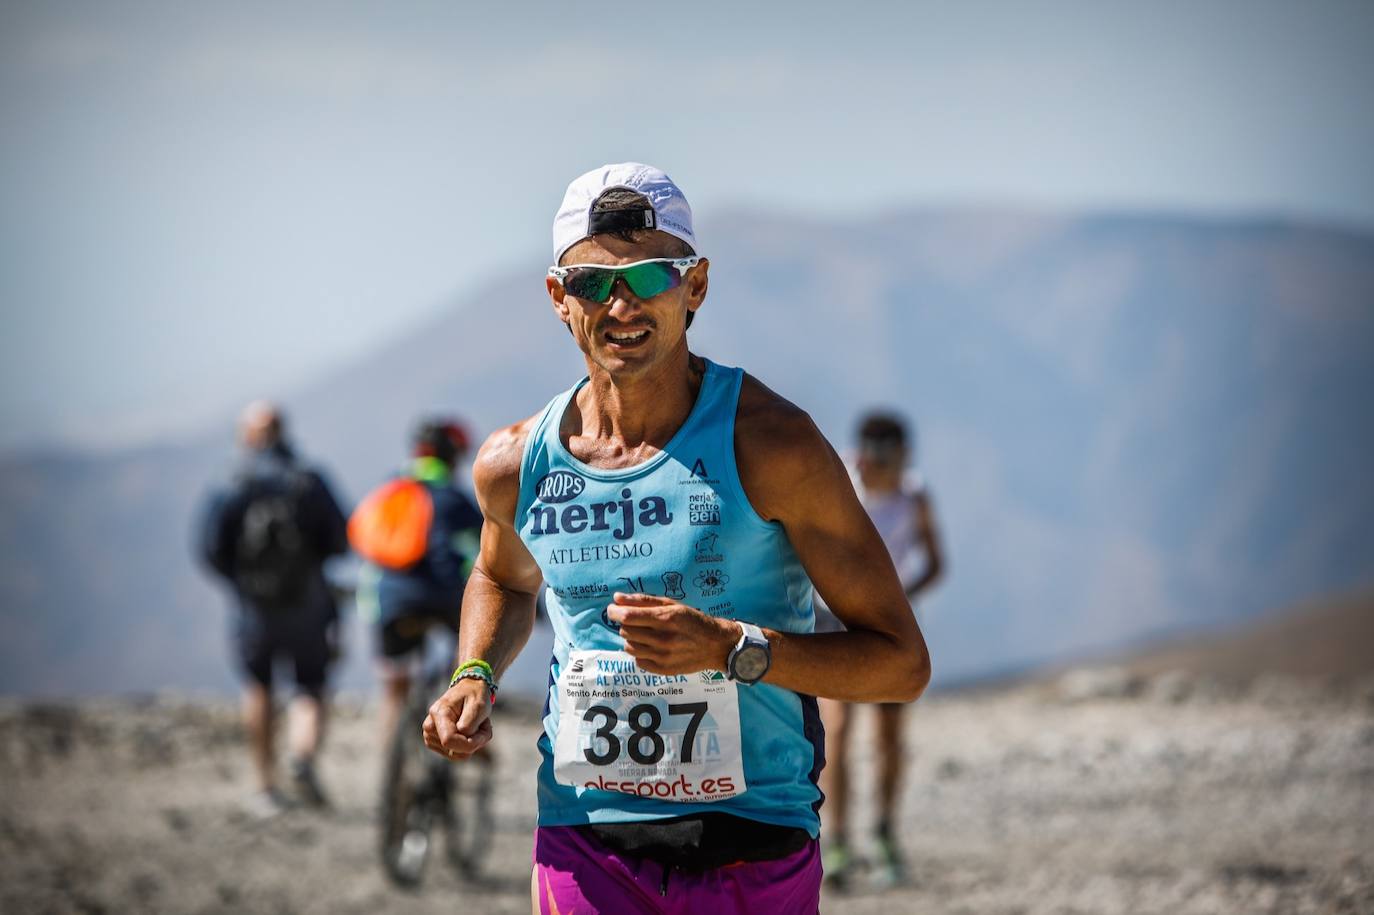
751 633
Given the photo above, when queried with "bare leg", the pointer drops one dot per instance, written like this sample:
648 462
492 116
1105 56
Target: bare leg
308 714
891 762
837 717
307 720
257 721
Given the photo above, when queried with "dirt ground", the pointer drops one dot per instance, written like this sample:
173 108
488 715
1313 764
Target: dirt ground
1100 792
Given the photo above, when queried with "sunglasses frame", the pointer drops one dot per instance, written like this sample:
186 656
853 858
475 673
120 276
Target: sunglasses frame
683 264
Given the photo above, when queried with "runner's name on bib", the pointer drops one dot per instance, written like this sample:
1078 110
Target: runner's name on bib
670 737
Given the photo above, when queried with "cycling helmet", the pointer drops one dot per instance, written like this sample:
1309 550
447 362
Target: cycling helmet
444 438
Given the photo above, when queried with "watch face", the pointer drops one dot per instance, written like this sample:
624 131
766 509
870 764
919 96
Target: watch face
751 663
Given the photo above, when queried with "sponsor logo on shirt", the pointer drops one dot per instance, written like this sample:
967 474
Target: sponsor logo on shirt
706 549
582 592
559 486
598 516
672 585
711 582
699 474
703 508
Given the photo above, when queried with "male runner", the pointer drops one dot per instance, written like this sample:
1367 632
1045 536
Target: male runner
680 513
267 533
897 501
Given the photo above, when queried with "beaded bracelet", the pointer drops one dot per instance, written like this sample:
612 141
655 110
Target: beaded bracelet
475 673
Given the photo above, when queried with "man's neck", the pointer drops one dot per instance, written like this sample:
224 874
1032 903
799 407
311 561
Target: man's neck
431 470
646 409
882 482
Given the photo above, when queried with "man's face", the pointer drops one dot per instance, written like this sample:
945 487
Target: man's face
626 335
880 461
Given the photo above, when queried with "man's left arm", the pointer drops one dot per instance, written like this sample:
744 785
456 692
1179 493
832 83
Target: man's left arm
331 525
928 534
793 476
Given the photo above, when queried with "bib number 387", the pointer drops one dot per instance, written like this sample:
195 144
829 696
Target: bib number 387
620 728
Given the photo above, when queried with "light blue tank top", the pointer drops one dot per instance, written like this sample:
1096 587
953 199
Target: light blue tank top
678 525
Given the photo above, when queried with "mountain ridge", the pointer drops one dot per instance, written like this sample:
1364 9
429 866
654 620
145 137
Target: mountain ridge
1129 424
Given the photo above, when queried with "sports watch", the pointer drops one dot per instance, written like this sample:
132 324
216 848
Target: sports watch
751 657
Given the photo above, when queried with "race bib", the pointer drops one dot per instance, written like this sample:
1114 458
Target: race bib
671 737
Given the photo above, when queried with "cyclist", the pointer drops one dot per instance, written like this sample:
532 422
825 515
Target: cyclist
403 603
267 534
897 501
679 512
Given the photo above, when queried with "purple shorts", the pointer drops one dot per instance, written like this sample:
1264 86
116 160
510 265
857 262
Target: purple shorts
575 875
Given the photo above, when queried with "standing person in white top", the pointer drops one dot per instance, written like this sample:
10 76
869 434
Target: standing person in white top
900 507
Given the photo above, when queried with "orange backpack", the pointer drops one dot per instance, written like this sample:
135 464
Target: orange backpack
391 526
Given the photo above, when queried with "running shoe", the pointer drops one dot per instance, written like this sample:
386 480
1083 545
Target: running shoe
838 866
266 804
891 870
307 784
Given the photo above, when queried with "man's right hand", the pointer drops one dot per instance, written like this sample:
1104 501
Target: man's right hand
459 721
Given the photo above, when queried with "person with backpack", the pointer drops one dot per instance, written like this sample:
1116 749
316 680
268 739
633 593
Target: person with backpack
266 534
419 534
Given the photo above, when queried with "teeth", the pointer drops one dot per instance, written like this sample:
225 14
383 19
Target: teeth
624 338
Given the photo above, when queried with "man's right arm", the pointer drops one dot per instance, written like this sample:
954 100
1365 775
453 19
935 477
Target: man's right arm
215 536
498 602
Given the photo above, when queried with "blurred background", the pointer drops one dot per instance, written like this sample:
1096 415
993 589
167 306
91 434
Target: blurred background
1115 262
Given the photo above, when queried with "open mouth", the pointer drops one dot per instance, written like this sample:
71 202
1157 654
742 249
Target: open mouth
621 338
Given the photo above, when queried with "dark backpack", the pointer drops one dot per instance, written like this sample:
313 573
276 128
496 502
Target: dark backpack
274 560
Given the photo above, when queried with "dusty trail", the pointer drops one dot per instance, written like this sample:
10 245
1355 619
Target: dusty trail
1091 795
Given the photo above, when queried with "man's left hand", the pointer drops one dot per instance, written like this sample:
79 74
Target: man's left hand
666 637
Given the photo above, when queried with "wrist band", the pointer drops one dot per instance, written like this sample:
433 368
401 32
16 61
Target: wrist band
475 663
476 669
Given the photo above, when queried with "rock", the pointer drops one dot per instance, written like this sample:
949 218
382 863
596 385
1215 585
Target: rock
1088 684
177 820
1172 687
949 769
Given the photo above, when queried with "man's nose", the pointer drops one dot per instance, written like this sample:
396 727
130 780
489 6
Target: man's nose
624 304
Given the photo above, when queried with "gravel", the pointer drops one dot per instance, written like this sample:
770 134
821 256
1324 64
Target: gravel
1099 792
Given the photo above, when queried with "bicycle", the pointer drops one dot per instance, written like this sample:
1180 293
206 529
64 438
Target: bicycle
421 789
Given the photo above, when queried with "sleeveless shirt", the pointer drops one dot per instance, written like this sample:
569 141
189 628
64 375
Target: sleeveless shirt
894 515
679 525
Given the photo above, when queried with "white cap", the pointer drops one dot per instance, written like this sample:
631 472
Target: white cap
670 213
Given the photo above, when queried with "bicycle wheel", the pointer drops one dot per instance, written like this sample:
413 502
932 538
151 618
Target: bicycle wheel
414 798
468 825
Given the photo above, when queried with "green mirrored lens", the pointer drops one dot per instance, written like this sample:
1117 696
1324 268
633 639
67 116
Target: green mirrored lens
644 280
589 283
648 280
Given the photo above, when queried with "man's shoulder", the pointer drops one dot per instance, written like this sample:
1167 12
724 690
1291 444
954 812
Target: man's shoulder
779 450
770 426
274 467
496 469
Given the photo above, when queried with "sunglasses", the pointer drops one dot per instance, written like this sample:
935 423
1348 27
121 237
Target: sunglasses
646 279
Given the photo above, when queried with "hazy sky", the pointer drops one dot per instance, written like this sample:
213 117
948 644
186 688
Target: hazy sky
204 202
